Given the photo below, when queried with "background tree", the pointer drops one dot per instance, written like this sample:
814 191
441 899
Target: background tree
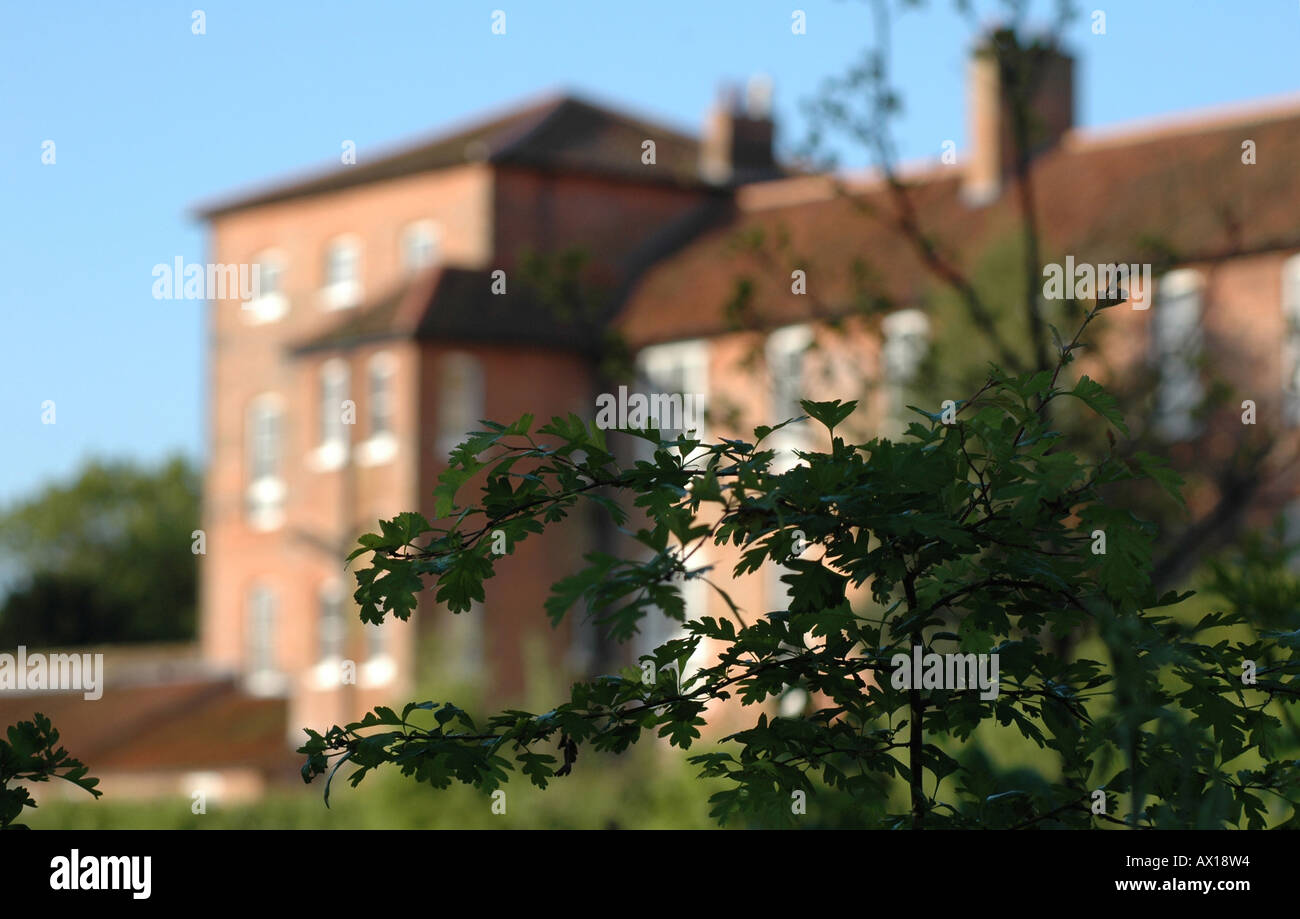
993 308
106 557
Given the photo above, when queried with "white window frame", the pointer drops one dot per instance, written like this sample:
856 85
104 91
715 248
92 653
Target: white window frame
785 347
466 634
342 293
265 493
899 329
686 360
1291 530
380 446
263 677
1176 353
584 644
380 667
656 627
455 420
333 380
430 236
1290 301
328 671
904 343
268 305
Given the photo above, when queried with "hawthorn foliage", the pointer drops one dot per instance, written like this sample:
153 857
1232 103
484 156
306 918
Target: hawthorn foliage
973 536
31 754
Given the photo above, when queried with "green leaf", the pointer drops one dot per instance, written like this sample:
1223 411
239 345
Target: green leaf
1095 396
829 413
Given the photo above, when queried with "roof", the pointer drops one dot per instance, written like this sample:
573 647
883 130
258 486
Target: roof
448 303
456 304
1180 194
195 725
560 132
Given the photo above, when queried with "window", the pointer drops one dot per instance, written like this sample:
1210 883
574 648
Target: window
658 627
332 632
793 699
265 495
674 378
464 635
331 636
1291 531
778 592
379 668
906 339
342 273
1176 350
376 642
786 349
266 441
786 353
419 245
335 412
263 677
785 359
584 653
381 446
269 302
1291 340
381 395
261 631
460 400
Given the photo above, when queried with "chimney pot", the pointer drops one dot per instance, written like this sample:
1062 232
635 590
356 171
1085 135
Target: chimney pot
758 96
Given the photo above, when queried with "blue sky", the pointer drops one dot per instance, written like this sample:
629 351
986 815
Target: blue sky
149 119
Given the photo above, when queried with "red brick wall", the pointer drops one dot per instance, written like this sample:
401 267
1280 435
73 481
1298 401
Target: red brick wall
517 380
609 218
247 360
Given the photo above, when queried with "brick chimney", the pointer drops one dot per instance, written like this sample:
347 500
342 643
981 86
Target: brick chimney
1002 69
736 145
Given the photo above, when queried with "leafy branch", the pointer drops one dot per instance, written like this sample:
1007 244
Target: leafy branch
31 754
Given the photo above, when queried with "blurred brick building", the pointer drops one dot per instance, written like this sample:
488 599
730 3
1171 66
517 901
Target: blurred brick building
378 341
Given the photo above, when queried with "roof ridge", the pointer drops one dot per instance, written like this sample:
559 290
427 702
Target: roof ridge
798 190
1204 120
417 297
542 106
633 119
496 138
524 134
